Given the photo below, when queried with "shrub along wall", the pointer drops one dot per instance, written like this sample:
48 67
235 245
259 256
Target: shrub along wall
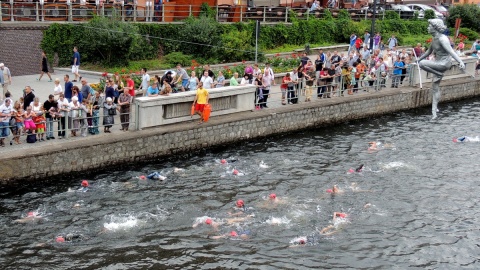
111 42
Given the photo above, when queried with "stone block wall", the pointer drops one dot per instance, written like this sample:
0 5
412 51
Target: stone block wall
45 161
20 49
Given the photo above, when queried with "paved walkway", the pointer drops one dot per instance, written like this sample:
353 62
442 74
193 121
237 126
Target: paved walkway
43 88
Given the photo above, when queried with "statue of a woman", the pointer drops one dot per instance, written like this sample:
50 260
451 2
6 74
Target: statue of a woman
443 52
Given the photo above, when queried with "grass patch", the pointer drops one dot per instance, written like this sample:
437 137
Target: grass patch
133 66
290 48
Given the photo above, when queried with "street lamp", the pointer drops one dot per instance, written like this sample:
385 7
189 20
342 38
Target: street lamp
372 33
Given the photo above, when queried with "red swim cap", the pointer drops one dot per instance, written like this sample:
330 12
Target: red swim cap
455 140
223 161
30 214
342 215
233 234
142 177
329 191
84 183
240 203
351 171
273 196
301 241
208 221
235 172
60 239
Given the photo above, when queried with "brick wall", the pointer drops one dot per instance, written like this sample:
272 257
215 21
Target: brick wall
20 48
65 157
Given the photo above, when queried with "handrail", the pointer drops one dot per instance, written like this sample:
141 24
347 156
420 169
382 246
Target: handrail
166 12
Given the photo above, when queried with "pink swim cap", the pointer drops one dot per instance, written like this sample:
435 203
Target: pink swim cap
455 140
235 172
240 203
223 161
301 241
30 214
342 215
233 234
351 171
60 239
84 183
142 177
208 221
329 191
272 196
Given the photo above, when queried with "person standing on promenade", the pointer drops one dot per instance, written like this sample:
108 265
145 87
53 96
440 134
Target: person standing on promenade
182 77
5 115
5 78
353 39
76 64
44 67
124 102
68 87
63 110
376 41
201 99
28 97
206 80
47 105
145 81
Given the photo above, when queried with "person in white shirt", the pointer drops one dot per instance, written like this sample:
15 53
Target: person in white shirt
206 80
145 81
246 80
57 89
5 115
63 109
268 71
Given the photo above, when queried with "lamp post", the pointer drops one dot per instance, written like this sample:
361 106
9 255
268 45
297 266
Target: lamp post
373 25
69 6
42 2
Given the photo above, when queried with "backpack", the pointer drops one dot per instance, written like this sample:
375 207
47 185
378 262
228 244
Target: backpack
31 137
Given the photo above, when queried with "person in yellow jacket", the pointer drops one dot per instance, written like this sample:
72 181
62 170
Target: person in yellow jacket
201 99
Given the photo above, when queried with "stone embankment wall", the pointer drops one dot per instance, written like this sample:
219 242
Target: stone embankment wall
44 161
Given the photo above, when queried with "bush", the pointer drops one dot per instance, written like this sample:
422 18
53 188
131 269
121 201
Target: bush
174 58
468 13
392 15
470 34
235 47
200 37
429 14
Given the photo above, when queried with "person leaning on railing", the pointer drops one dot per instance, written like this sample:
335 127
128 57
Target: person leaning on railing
108 114
124 102
5 114
234 79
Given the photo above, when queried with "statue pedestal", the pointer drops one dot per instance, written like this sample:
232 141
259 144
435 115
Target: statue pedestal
470 63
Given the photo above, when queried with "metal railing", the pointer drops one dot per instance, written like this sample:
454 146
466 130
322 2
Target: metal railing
45 11
68 126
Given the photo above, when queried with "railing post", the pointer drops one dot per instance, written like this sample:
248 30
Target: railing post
36 12
69 7
163 12
241 13
122 10
1 19
216 15
42 3
264 11
286 14
135 11
190 10
137 117
11 11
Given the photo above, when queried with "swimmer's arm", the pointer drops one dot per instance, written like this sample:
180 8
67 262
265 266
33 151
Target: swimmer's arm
235 220
235 214
218 236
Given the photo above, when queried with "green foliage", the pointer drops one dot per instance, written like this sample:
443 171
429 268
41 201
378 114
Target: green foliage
59 38
429 14
392 15
207 11
470 34
174 58
199 37
239 48
468 13
344 15
327 15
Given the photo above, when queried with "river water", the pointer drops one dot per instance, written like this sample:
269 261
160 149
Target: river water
413 206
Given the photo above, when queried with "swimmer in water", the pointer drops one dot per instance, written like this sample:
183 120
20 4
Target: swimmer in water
335 190
31 216
156 176
303 241
70 237
359 169
466 139
242 213
338 218
272 201
243 234
207 221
